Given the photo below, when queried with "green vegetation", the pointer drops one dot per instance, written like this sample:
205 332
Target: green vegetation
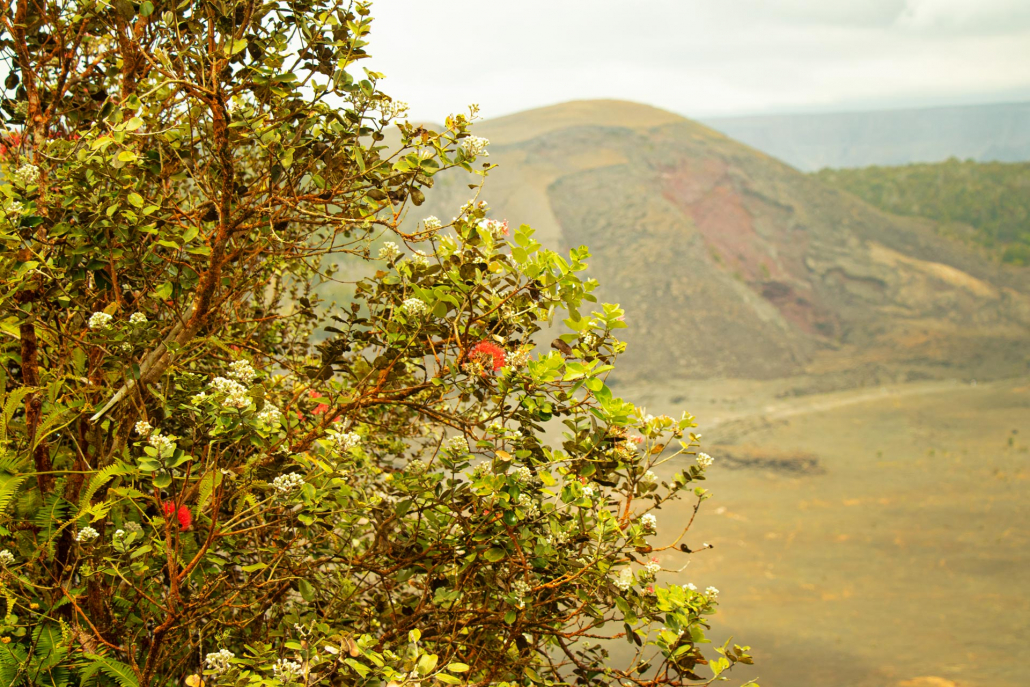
993 198
193 491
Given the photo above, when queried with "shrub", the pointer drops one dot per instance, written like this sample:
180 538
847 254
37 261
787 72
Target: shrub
193 490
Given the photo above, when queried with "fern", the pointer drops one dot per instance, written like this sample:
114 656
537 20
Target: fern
10 405
49 518
9 489
13 463
99 479
119 672
50 424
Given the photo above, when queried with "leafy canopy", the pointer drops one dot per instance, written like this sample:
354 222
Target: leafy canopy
210 475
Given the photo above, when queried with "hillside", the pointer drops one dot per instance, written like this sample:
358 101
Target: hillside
987 203
888 137
733 264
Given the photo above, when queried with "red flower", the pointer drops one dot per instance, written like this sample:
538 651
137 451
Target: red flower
490 353
184 516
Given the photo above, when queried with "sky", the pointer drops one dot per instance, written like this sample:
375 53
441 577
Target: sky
701 58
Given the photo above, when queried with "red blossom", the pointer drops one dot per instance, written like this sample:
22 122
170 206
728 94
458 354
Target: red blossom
184 516
488 349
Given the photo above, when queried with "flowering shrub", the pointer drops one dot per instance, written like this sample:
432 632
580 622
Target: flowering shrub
193 491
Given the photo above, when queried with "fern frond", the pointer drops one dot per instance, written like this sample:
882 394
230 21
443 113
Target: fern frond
121 673
11 404
9 489
50 424
99 479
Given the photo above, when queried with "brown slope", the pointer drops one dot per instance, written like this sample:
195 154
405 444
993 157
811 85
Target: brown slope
731 263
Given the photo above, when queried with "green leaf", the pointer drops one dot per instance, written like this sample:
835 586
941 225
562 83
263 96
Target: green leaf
127 156
495 554
135 122
235 47
136 200
457 667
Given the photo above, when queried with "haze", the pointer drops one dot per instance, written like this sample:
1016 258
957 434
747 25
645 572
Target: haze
703 58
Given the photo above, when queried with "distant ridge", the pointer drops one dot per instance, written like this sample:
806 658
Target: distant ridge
985 133
733 264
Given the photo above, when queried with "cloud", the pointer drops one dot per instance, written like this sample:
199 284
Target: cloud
702 58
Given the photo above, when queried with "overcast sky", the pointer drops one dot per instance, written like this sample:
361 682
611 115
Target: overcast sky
702 58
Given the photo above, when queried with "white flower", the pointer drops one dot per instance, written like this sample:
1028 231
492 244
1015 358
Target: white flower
143 428
415 467
235 393
286 671
6 558
495 228
165 445
517 359
133 526
199 398
691 587
420 259
27 174
523 475
218 661
344 441
652 567
529 505
432 223
86 535
414 307
649 476
588 491
458 444
284 484
711 592
137 318
99 320
649 522
15 208
393 109
704 460
474 146
270 415
625 579
242 371
519 589
389 251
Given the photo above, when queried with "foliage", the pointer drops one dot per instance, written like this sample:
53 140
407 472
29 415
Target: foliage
990 197
193 491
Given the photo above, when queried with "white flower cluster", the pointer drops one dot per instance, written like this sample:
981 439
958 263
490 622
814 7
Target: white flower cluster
557 539
284 484
650 570
649 522
648 477
286 671
691 587
432 223
235 393
218 661
198 398
704 460
134 526
523 475
99 320
242 371
420 259
527 503
624 580
414 307
458 445
393 109
495 228
86 535
588 340
15 208
712 592
481 470
474 146
27 174
137 318
517 359
270 415
415 467
6 558
389 251
588 491
344 441
519 589
143 428
165 445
